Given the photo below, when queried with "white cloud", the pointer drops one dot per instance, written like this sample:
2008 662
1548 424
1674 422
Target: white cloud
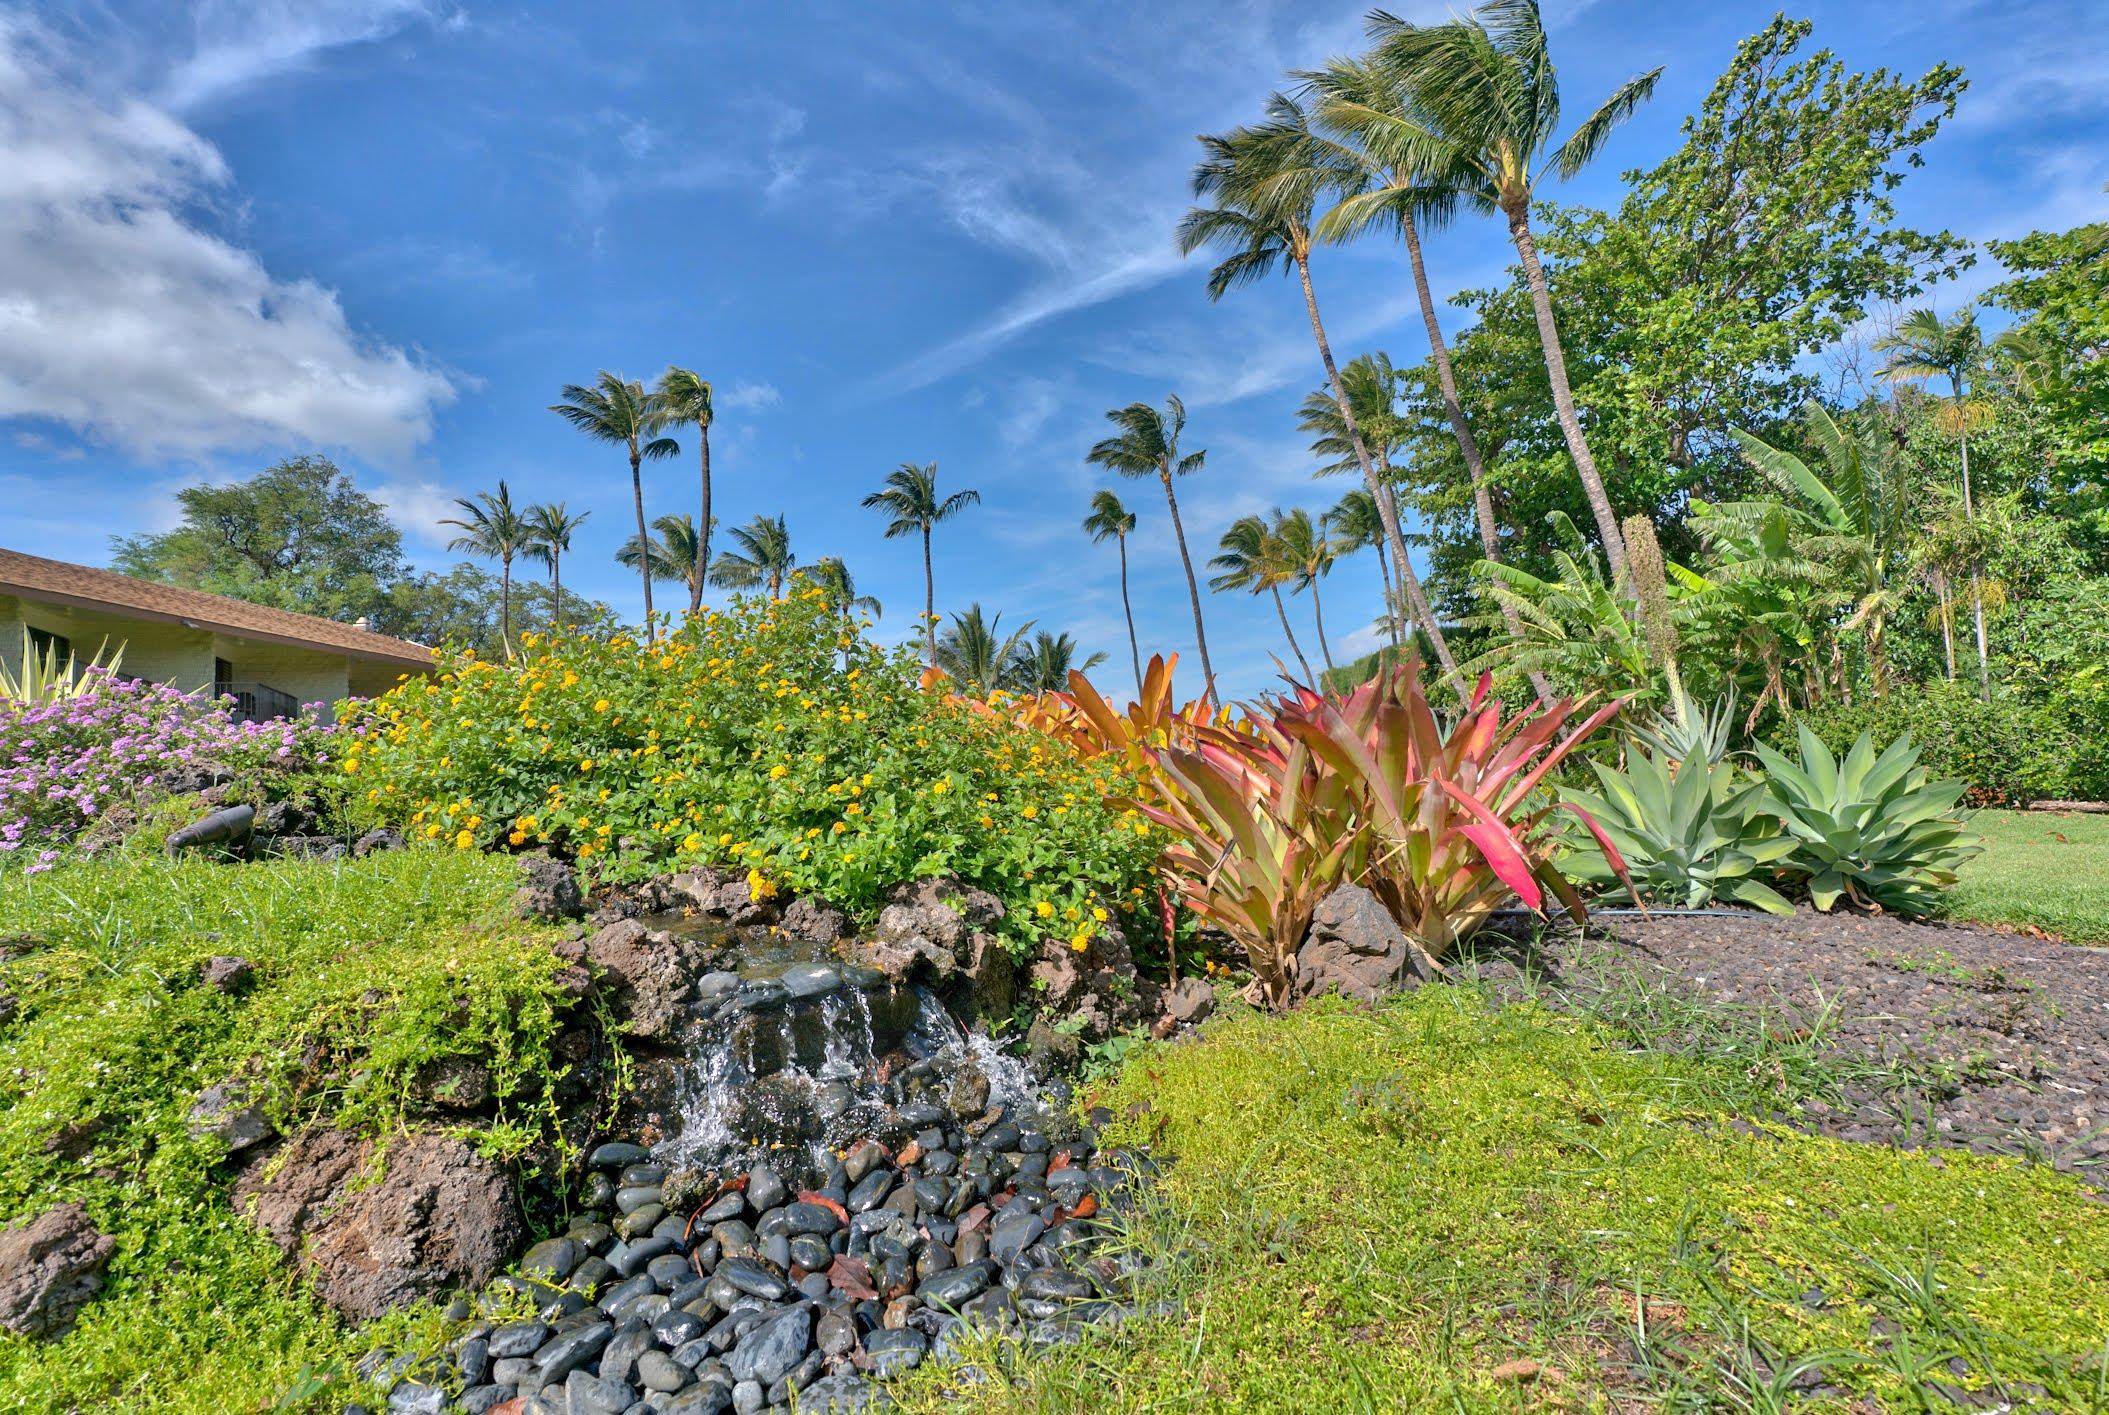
418 507
241 43
745 396
123 319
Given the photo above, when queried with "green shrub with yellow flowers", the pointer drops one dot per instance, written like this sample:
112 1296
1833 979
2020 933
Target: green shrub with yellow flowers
772 737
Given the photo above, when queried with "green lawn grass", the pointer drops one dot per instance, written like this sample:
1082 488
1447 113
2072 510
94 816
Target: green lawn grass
1437 1206
379 965
2039 869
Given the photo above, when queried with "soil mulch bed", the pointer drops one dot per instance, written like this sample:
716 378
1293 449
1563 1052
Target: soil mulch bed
1946 1035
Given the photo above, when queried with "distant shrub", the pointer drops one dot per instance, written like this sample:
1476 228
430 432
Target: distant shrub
2005 752
770 737
115 744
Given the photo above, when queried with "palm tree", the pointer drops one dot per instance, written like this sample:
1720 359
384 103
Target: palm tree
1148 445
1266 181
1854 521
618 410
550 528
1044 665
674 554
763 559
1251 559
1483 90
493 528
1109 518
1354 525
685 398
1926 347
832 575
971 653
1308 555
909 495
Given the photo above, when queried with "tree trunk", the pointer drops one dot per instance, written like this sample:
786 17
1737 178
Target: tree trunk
556 588
1947 608
1134 653
1193 586
695 589
1563 396
1282 614
1391 621
1318 616
1977 594
644 542
505 603
1385 509
929 597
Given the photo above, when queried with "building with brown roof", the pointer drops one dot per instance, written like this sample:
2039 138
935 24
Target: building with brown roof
270 660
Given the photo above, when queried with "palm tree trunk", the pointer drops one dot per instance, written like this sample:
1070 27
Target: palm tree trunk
1318 616
1947 608
1193 586
695 588
556 588
505 603
929 597
1977 594
1294 647
1134 653
1385 509
1563 396
644 542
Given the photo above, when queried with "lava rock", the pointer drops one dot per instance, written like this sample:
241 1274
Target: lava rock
227 1112
549 889
50 1265
1355 948
227 974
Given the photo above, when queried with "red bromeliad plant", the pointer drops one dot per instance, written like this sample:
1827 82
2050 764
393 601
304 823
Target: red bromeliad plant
1263 830
1456 829
1443 827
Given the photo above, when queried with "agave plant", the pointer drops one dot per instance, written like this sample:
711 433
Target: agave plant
1688 732
1263 830
1869 830
1693 832
48 676
1456 825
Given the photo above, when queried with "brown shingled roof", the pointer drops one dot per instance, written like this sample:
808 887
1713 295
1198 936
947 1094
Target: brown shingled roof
57 582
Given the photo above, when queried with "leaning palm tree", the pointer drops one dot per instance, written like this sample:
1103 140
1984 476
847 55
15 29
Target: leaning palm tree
1044 665
763 559
1109 518
492 527
1147 445
1924 346
685 398
1266 180
551 527
909 496
675 554
1251 559
1483 90
618 410
972 654
1306 552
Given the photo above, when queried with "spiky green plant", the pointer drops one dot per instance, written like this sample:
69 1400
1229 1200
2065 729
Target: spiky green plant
1692 834
49 676
1870 831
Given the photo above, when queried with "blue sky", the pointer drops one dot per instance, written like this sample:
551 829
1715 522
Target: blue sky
391 229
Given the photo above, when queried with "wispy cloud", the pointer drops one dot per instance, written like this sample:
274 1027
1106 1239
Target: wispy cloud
242 43
743 396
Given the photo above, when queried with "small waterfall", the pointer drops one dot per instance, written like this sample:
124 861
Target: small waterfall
811 1051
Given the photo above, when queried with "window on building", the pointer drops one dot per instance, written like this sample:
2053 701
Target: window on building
46 644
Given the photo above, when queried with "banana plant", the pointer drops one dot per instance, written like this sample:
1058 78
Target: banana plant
1693 832
1870 830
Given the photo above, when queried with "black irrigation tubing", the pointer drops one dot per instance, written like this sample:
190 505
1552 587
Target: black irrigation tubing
1521 913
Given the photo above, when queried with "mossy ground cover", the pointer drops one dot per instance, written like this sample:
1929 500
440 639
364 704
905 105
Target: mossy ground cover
365 972
2041 870
1435 1205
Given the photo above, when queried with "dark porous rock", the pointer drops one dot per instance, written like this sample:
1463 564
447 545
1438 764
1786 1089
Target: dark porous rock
226 1111
1189 1002
769 1351
283 818
309 847
440 1216
941 911
459 1083
1051 1048
1095 991
549 889
1355 948
49 1266
653 974
227 974
814 922
376 842
988 987
720 894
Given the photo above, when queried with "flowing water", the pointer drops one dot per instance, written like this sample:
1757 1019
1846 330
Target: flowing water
808 1051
